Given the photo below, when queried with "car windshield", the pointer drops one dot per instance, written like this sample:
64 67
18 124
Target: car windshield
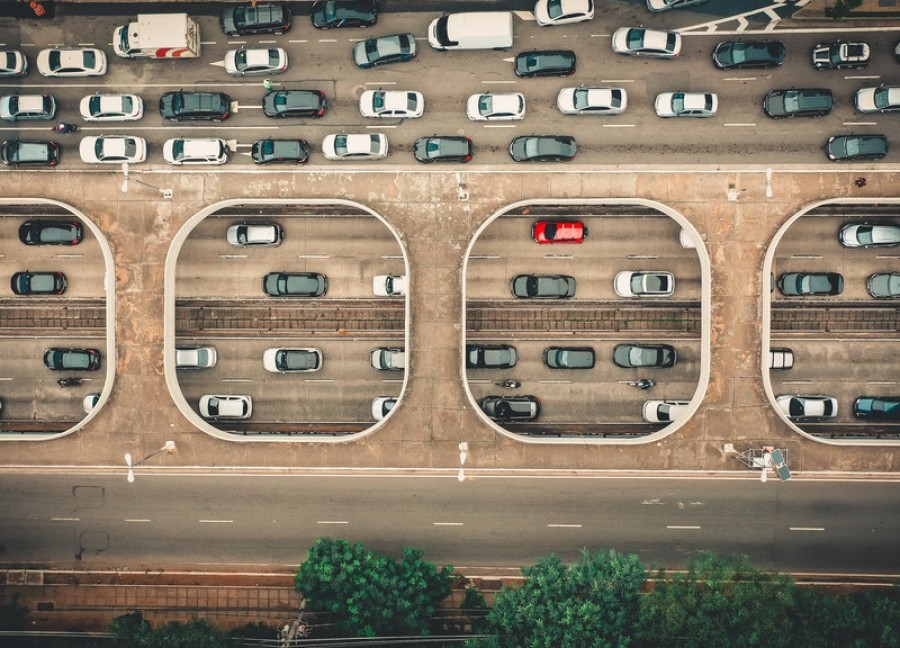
635 38
54 59
340 144
90 59
178 149
486 104
378 100
678 102
882 97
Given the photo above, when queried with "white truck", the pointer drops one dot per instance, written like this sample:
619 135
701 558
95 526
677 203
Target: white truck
158 36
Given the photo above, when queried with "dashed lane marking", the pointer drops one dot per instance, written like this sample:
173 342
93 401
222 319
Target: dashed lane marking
675 527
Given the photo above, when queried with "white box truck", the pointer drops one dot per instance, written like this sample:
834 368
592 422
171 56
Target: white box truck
472 30
158 36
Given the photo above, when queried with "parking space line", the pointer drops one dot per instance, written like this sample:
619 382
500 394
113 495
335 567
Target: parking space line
806 528
383 126
860 123
137 519
332 522
65 519
237 380
619 125
447 523
216 521
564 526
380 83
676 527
328 40
617 80
862 76
499 82
298 40
739 79
740 124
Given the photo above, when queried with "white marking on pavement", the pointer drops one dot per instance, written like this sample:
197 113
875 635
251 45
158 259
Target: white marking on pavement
740 124
268 42
137 519
331 522
655 500
216 521
383 126
555 382
619 125
863 76
739 79
676 527
499 125
507 82
807 528
65 519
447 523
328 40
564 526
237 380
298 40
617 80
860 123
525 15
380 83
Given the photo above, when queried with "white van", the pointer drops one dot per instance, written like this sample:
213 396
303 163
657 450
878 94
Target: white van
472 30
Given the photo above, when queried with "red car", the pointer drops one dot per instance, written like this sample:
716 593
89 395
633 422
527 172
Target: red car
558 231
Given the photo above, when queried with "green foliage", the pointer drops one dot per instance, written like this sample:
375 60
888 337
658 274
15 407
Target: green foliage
369 594
843 8
12 615
591 603
132 631
258 630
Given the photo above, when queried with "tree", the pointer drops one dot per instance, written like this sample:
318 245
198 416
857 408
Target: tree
132 631
368 594
591 603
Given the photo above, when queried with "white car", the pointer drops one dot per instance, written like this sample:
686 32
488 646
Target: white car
197 357
382 406
389 359
686 104
71 62
217 407
664 411
398 104
282 360
273 60
491 106
592 101
880 99
642 283
799 408
657 6
255 234
355 146
195 150
27 107
113 149
89 402
111 107
13 63
389 285
562 12
637 41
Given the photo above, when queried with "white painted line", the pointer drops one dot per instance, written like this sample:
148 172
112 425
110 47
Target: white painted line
447 523
216 521
237 380
137 520
65 519
617 80
739 79
331 522
383 126
380 83
85 44
739 124
298 40
807 528
675 527
243 42
328 40
267 42
318 380
619 125
498 82
860 123
555 382
863 76
499 125
564 526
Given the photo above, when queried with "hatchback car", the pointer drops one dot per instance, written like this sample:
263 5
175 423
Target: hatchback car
278 151
294 103
111 107
50 232
855 235
66 359
398 48
807 408
739 55
113 149
195 150
13 63
218 407
282 360
637 41
558 231
884 285
511 408
195 357
16 152
805 102
781 359
543 286
89 402
880 99
244 19
851 148
27 107
644 283
543 148
592 101
569 357
495 106
686 104
295 284
241 62
490 356
382 406
664 411
544 63
877 407
840 56
397 104
388 359
390 285
355 146
562 12
797 284
71 62
192 106
328 14
443 148
633 356
255 235
38 283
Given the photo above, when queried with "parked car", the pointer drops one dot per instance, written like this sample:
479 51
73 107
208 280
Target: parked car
113 149
495 106
781 358
398 48
543 286
253 18
736 55
195 357
294 103
807 408
382 406
877 407
557 357
195 150
592 101
880 99
840 55
866 235
644 283
562 12
192 106
89 402
802 102
490 356
686 104
295 284
27 107
17 152
884 285
634 356
664 411
637 41
541 63
328 14
543 148
396 104
282 360
50 232
657 6
255 234
511 408
443 148
38 283
558 231
71 62
795 284
243 61
13 63
389 285
67 359
218 407
280 151
388 359
355 146
851 148
111 107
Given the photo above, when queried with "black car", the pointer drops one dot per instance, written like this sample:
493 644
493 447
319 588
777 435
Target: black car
327 14
804 102
633 356
271 151
240 20
189 106
798 284
877 407
294 103
569 357
16 152
542 286
38 283
50 232
444 148
295 284
545 63
490 356
511 408
856 147
735 55
62 359
840 56
371 52
543 148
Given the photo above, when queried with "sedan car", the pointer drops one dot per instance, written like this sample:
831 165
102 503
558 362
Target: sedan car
543 148
490 356
278 151
569 357
495 106
391 285
686 104
255 235
637 41
355 146
195 357
634 356
544 63
644 283
66 359
294 103
253 18
558 231
877 407
657 6
543 286
50 232
851 148
398 48
27 107
13 63
807 408
113 149
282 360
388 359
328 14
271 60
884 285
880 99
382 406
111 107
796 284
16 152
71 62
192 106
38 283
195 150
443 148
664 411
592 101
511 408
855 235
803 102
738 55
295 284
397 104
562 12
840 55
218 407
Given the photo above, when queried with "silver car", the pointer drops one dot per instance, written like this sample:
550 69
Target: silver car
592 101
644 283
866 235
282 360
218 407
255 235
195 357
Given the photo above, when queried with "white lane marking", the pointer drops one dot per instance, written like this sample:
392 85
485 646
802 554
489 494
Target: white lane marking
65 519
739 79
328 40
807 528
331 522
617 80
237 380
564 526
676 527
499 125
267 42
860 123
447 523
500 82
863 76
380 83
739 124
137 519
216 521
383 126
619 125
298 40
